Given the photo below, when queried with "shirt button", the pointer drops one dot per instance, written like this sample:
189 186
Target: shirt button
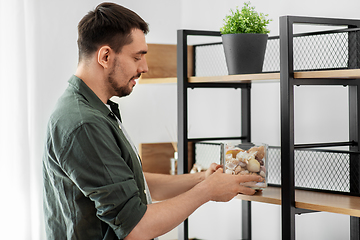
145 191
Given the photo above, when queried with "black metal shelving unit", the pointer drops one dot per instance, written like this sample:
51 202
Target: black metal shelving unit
287 83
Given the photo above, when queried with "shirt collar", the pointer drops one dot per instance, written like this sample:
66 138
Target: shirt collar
114 108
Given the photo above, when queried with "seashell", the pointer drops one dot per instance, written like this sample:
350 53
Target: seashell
228 157
259 152
253 150
234 151
253 165
245 172
234 161
230 165
228 171
237 170
263 174
243 157
242 164
260 161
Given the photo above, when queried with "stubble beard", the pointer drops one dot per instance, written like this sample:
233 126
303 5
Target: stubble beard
120 91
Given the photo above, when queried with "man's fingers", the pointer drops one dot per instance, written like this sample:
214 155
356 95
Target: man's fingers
215 166
218 166
220 170
246 190
250 178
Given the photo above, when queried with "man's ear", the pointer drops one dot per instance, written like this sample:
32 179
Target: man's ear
103 56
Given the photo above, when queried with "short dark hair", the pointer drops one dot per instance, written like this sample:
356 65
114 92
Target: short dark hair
109 24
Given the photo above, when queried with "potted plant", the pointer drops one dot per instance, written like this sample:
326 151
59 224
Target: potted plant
244 36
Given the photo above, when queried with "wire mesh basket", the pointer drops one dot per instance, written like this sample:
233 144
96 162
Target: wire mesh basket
312 51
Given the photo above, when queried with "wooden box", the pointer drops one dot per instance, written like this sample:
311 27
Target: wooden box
161 60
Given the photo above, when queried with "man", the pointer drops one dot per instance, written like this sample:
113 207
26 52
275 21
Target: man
94 187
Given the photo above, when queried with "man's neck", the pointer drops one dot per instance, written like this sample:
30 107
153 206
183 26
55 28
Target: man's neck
93 78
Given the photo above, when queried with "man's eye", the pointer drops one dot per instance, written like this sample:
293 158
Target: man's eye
137 58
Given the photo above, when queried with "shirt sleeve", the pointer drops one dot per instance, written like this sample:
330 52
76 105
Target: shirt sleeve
93 160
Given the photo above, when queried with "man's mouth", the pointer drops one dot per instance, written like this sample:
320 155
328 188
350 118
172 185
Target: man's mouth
136 77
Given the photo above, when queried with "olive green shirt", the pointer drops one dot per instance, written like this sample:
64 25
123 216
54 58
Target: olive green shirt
93 182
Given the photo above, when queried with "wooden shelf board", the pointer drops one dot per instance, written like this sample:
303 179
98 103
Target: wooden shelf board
157 80
335 203
339 74
245 78
259 77
317 201
242 78
269 195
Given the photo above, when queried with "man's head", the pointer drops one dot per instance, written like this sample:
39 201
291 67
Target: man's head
109 24
112 50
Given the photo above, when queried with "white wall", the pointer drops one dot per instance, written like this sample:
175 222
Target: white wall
151 109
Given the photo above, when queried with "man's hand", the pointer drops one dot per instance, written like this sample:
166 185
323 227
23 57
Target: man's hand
213 167
223 187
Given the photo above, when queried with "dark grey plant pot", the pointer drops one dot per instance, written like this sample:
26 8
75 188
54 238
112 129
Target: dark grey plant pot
244 52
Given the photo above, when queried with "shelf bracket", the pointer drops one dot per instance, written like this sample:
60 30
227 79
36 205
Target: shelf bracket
300 211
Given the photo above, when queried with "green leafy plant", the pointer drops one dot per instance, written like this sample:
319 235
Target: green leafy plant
245 21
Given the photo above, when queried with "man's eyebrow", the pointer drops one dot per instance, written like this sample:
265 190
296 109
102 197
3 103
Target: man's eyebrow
142 52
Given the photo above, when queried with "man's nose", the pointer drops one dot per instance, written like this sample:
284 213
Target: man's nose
143 68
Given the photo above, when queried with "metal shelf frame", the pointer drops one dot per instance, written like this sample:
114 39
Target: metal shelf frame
287 84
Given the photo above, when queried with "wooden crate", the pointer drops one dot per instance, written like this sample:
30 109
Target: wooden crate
161 60
155 157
